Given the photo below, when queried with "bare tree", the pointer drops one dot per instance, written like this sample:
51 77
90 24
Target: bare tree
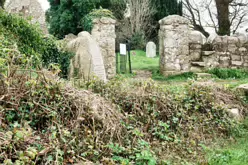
238 14
194 14
225 16
141 12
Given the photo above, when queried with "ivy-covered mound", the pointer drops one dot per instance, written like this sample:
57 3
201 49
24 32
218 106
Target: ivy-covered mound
43 120
24 43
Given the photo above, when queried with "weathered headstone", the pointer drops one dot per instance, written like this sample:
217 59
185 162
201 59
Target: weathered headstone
151 50
88 60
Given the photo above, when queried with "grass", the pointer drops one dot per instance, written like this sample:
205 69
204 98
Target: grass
223 73
232 83
178 78
234 153
141 62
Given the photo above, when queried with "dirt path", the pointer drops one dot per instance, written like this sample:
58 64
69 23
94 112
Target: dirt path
143 74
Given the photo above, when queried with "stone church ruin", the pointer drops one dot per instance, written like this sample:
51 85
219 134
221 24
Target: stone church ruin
28 8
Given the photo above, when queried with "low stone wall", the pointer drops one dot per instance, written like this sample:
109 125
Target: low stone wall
104 33
227 52
182 49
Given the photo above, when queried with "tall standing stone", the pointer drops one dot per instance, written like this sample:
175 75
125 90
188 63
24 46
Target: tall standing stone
104 33
88 59
151 50
174 45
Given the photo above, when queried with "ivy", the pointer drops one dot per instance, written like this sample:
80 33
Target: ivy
96 13
29 44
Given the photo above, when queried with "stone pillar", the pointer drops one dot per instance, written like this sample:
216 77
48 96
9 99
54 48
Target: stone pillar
104 33
174 45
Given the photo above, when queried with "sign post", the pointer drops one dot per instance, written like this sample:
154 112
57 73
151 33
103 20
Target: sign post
123 58
129 56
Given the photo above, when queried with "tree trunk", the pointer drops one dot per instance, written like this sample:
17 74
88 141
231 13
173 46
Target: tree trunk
201 29
223 17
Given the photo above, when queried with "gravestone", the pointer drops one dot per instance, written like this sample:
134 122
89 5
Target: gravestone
151 50
88 60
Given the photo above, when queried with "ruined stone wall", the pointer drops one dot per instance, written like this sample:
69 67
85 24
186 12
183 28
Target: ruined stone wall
182 49
28 8
227 52
104 33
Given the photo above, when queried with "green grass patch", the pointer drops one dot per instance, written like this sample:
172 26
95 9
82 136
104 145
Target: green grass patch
234 153
232 83
179 77
141 62
223 73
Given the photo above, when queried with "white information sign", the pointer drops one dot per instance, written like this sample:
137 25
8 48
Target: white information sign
123 49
